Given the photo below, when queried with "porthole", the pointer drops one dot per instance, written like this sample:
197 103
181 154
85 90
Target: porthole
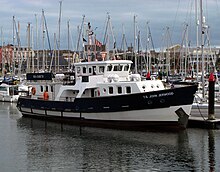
104 90
150 102
152 86
162 101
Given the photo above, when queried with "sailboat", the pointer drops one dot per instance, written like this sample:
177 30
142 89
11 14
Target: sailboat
201 104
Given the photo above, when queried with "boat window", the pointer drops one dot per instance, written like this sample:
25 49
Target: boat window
84 69
94 70
41 88
119 90
104 90
3 89
109 68
101 69
128 89
11 91
15 90
51 88
118 68
90 70
126 67
78 70
110 90
46 88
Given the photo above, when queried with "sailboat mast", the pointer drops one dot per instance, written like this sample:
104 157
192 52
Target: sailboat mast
28 58
135 57
197 40
3 64
202 47
37 43
58 53
68 35
43 32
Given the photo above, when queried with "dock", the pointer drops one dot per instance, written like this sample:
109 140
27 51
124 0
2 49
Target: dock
204 123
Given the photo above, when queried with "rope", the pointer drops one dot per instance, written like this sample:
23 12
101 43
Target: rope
199 108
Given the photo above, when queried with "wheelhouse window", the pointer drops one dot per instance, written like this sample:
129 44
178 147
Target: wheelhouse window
101 69
51 88
78 70
94 70
118 68
110 90
90 70
126 67
109 68
84 70
128 89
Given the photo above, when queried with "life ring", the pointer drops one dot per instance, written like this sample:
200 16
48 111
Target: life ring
46 95
33 90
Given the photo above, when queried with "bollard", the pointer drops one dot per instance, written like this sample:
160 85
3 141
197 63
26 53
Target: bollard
211 108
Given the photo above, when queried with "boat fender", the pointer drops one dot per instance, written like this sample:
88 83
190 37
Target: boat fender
33 90
46 95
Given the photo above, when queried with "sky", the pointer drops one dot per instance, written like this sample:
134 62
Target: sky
170 21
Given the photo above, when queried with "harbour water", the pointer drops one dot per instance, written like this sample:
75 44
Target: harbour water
32 145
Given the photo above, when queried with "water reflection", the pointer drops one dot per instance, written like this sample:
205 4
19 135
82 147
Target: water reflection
33 145
211 142
96 149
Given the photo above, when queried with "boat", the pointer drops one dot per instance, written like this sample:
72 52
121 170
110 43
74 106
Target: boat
107 94
9 93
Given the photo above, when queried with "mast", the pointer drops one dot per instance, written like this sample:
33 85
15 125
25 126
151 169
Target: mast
43 32
58 53
80 36
13 52
135 57
203 27
28 41
3 63
68 35
197 41
37 42
124 43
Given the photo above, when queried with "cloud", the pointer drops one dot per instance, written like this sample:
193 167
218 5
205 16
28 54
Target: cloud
161 14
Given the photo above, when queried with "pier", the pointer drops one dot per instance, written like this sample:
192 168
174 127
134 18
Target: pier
209 122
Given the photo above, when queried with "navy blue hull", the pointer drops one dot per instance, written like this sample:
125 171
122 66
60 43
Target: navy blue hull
149 100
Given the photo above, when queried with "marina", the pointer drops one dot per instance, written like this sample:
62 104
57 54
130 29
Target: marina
34 145
139 91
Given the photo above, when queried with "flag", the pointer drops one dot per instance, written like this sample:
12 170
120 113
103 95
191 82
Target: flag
98 43
84 40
